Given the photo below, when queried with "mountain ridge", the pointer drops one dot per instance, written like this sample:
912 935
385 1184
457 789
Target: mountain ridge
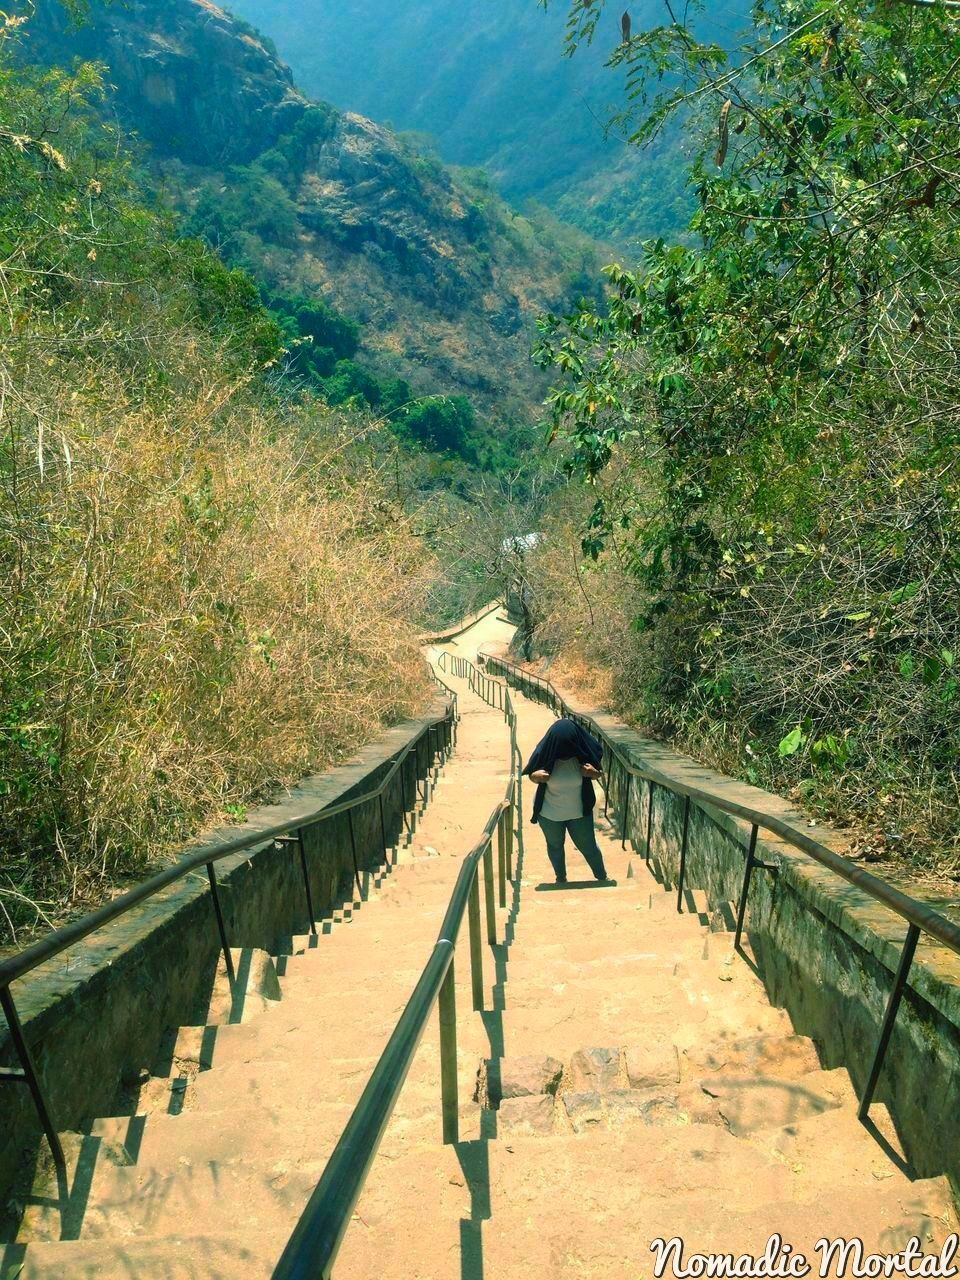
446 280
490 85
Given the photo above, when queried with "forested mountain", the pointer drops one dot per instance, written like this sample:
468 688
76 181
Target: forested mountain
438 282
489 82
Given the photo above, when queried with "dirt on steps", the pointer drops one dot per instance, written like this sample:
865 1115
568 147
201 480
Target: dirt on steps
674 1100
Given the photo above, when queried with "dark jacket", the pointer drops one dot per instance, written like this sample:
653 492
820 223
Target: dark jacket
564 740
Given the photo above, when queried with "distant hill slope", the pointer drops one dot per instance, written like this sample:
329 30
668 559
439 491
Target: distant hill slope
444 277
489 83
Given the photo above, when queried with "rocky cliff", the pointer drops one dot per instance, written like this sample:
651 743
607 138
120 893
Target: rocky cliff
446 279
194 81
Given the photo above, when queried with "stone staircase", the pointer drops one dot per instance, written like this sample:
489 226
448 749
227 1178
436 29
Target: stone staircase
644 1088
627 1080
214 1150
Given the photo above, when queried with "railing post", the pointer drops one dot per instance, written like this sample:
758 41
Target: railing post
407 821
353 851
501 860
745 889
383 827
306 880
508 820
448 1058
412 755
32 1079
215 894
626 812
488 893
425 793
889 1018
651 784
683 852
476 947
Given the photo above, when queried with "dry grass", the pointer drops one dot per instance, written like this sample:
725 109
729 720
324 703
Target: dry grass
203 600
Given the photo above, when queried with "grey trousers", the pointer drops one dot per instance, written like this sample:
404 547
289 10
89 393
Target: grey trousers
582 835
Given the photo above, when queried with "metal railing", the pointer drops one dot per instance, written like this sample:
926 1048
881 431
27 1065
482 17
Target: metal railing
312 1249
919 916
440 735
493 692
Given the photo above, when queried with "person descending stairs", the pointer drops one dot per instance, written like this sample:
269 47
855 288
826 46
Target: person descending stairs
204 1174
627 1080
644 1088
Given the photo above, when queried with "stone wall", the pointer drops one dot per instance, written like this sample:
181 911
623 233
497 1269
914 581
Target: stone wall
97 1014
826 951
463 624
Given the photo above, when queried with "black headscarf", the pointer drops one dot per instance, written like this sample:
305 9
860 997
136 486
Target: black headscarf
564 740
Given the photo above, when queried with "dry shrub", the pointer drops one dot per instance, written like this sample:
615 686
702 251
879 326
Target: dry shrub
203 600
581 610
807 667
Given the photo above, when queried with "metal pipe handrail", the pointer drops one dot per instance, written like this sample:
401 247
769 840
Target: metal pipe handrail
14 967
464 883
919 916
68 935
463 624
311 1251
910 909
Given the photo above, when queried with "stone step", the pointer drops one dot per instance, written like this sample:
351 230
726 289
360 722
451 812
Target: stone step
142 1200
122 1159
715 917
633 952
560 1207
653 1182
747 1104
184 1256
786 1057
567 1023
280 1082
831 1147
712 985
282 1088
657 1063
663 901
612 1087
348 989
305 1038
255 990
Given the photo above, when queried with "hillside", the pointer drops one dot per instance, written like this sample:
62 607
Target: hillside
490 85
443 278
209 588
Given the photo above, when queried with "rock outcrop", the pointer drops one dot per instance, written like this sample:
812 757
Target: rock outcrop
446 279
196 82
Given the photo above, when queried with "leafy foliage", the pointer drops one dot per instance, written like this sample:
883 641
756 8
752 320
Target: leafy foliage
779 403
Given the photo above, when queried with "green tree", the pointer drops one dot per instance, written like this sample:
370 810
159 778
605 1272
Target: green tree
783 388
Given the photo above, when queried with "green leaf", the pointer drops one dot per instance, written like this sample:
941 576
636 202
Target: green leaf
904 593
931 671
791 744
